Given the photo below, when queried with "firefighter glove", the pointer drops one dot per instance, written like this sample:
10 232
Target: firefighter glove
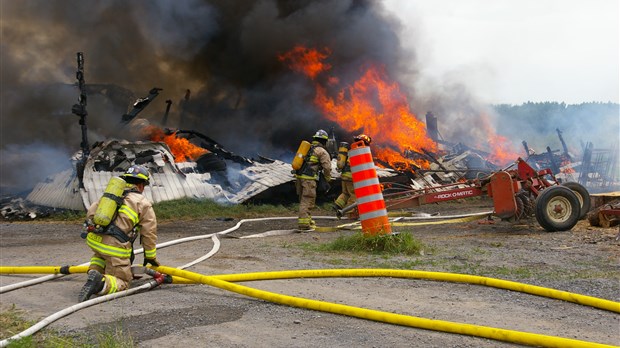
153 262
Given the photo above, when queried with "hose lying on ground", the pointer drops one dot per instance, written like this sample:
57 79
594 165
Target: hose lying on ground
223 281
398 319
368 272
93 301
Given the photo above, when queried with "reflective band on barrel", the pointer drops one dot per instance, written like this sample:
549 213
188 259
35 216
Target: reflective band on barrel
363 166
366 183
369 198
374 214
360 155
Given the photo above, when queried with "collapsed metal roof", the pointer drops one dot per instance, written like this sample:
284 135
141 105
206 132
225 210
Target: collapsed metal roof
169 180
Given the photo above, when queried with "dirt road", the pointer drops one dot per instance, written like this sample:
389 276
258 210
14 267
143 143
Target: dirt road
584 260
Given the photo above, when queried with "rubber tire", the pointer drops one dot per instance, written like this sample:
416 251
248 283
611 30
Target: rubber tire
528 205
562 195
583 195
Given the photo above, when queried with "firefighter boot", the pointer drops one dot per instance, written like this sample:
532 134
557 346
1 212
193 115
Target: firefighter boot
304 227
94 284
305 224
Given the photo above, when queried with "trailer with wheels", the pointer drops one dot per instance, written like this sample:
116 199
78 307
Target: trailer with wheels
516 193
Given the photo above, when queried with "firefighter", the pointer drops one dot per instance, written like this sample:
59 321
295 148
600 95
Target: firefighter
347 197
318 162
110 265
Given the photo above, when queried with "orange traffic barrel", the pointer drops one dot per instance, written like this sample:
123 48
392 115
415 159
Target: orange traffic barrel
370 203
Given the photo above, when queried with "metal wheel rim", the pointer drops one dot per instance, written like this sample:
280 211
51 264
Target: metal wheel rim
579 198
559 209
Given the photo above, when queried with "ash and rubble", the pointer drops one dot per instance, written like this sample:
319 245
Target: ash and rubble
225 177
231 181
229 178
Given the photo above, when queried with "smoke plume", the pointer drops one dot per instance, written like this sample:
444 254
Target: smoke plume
223 51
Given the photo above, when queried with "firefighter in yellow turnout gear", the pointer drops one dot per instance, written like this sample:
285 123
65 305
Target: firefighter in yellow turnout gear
317 162
347 197
110 265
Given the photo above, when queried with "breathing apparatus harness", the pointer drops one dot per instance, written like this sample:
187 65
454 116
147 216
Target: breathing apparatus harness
306 171
111 229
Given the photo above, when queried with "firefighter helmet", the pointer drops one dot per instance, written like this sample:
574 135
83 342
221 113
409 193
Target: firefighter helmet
363 137
320 134
137 172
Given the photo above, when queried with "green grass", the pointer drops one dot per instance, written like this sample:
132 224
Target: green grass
64 215
379 251
12 323
190 208
389 244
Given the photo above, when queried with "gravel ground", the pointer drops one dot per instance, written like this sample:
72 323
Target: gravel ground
584 260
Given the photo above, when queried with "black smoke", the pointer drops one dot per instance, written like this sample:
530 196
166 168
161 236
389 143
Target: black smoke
225 52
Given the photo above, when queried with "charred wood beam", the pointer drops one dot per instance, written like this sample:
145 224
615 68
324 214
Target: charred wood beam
586 164
563 144
140 104
554 166
527 148
79 109
431 156
165 120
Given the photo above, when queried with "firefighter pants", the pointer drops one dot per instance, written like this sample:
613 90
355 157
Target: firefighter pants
346 198
112 259
306 190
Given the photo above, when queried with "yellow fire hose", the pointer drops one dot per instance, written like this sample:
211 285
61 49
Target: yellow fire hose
398 319
398 223
438 276
224 281
364 272
43 269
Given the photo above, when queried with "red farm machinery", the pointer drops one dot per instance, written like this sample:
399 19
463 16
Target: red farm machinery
517 193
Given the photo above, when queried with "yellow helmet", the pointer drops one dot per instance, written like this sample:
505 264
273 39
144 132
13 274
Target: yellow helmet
363 137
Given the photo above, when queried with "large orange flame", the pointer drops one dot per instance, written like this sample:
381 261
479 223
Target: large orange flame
502 150
181 148
373 105
306 61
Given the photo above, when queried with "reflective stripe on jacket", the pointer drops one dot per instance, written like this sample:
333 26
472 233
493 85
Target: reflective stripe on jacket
137 211
94 241
319 160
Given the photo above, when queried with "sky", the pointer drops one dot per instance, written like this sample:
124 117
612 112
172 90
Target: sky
517 51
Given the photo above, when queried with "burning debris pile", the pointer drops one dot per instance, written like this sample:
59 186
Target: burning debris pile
187 163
